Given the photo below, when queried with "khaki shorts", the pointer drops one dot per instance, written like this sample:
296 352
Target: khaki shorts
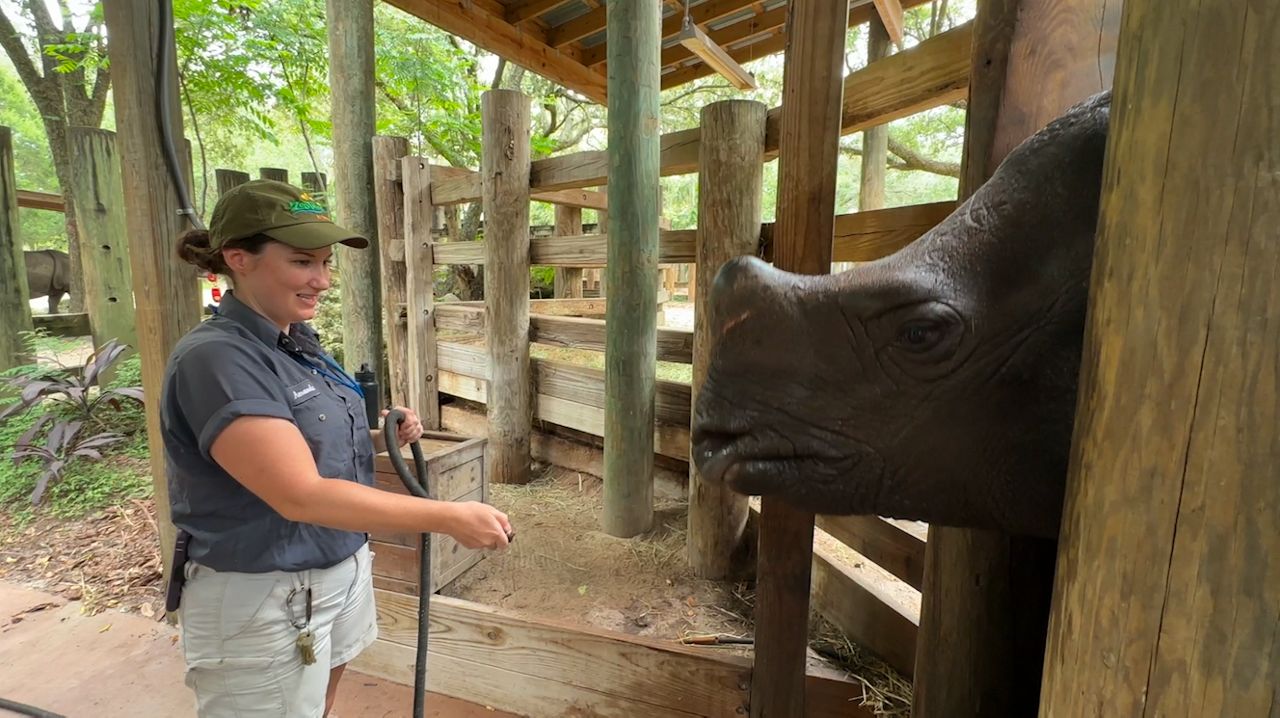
240 641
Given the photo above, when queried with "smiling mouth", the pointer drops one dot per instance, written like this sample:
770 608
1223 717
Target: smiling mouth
309 299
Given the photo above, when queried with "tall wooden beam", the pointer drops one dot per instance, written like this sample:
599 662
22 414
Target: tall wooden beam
632 270
890 14
730 194
808 146
875 140
420 322
388 193
165 292
986 595
104 246
1176 455
350 30
15 311
568 280
504 160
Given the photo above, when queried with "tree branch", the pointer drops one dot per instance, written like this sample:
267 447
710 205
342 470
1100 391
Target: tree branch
914 161
17 52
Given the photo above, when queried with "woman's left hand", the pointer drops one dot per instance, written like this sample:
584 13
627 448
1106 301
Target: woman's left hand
408 430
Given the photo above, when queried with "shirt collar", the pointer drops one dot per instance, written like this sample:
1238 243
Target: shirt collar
258 325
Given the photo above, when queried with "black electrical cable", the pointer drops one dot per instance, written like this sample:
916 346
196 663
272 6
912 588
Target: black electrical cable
164 54
25 710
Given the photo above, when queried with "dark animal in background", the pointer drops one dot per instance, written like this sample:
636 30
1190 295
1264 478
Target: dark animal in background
48 274
936 384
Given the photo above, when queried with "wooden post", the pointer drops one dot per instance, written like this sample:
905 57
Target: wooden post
350 30
419 219
226 179
568 279
104 241
317 184
15 297
811 99
630 358
504 165
875 140
1168 586
165 292
388 193
986 597
730 194
273 173
602 227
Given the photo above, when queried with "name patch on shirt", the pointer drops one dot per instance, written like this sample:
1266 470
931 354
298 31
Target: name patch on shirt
299 393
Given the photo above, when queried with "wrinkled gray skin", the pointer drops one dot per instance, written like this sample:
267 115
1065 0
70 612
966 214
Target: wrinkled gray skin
48 273
936 384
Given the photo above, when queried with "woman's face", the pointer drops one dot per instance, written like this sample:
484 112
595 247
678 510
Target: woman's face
281 282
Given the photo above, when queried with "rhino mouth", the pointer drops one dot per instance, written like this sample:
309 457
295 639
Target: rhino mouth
819 478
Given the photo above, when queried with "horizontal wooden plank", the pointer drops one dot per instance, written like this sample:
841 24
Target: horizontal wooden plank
675 246
669 440
876 233
862 614
543 669
884 543
464 186
457 317
63 325
30 199
645 672
933 73
576 383
674 345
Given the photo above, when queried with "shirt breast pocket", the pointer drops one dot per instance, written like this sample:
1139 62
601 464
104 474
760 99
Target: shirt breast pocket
322 420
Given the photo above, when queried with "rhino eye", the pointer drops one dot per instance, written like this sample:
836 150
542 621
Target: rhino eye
919 336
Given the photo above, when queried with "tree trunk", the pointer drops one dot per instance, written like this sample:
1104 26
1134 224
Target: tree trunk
56 130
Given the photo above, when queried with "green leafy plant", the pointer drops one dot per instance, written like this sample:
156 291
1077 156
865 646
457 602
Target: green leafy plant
63 445
78 391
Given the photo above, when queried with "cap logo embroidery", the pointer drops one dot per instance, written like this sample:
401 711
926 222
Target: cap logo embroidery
306 206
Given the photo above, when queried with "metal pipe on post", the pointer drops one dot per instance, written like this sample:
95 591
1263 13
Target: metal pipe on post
504 167
812 89
730 195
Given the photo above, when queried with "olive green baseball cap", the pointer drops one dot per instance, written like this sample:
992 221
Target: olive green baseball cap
280 211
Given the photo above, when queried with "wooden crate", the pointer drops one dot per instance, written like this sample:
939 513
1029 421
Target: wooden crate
456 471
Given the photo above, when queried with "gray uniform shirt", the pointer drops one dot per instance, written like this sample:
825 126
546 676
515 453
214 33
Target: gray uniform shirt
236 364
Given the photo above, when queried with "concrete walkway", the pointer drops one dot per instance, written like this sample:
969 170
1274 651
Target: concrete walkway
117 664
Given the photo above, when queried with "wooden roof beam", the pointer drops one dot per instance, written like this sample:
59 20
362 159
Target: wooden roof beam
31 199
762 25
891 14
529 10
697 42
484 23
594 21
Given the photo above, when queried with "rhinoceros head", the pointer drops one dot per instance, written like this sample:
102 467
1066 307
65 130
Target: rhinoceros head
936 384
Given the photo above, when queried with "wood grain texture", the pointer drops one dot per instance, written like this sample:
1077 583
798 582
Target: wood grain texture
15 311
505 161
277 174
586 250
1168 584
634 37
875 140
226 179
674 345
74 324
349 28
808 142
568 280
882 542
420 325
730 195
29 199
854 606
388 194
104 240
165 292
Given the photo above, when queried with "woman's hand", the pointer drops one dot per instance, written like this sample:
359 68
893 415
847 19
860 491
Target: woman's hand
478 525
408 430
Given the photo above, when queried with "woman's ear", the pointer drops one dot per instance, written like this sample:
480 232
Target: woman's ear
237 259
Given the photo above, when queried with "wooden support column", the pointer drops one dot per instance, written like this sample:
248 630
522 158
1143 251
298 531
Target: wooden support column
420 325
568 279
985 604
165 292
389 197
602 227
15 309
104 241
635 41
317 184
1168 585
875 140
273 173
226 179
730 194
350 29
504 167
812 90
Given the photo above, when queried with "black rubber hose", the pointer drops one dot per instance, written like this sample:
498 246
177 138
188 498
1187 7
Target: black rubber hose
164 46
420 487
23 709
